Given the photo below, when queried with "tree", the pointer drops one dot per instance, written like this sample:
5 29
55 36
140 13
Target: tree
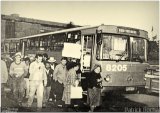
154 38
70 25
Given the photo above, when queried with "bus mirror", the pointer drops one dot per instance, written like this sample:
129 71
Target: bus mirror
99 39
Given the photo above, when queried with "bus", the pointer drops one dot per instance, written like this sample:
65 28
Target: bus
121 51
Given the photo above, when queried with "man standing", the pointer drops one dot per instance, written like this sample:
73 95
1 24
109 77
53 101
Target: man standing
59 76
53 64
37 78
27 62
18 71
47 89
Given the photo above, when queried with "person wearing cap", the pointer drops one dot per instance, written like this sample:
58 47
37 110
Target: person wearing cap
53 64
18 71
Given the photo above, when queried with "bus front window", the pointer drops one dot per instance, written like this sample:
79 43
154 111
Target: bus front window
138 49
114 47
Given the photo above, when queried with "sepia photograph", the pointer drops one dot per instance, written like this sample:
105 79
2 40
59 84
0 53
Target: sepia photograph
80 56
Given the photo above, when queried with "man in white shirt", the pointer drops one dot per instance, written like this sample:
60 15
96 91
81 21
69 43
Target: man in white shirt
37 78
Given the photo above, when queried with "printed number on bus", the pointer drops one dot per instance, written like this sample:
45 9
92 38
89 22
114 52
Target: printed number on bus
116 67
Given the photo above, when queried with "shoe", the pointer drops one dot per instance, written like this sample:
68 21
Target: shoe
50 100
75 105
85 103
59 105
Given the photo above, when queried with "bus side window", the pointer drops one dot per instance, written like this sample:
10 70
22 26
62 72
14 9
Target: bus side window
88 43
43 43
58 43
34 44
28 45
78 39
7 47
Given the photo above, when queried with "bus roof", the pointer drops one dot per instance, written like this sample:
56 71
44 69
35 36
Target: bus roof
55 32
104 28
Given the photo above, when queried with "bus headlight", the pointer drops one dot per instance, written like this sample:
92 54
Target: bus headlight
130 78
107 78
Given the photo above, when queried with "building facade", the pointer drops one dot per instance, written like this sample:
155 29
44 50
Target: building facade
14 26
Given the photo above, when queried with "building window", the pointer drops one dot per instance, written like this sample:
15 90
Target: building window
10 29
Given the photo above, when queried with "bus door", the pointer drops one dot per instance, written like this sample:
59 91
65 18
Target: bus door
87 46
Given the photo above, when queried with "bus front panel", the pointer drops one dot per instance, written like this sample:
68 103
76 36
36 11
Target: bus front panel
123 73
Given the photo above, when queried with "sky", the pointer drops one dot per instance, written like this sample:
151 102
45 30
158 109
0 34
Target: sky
136 14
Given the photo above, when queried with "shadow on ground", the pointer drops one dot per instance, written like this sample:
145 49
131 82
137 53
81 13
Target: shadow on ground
112 102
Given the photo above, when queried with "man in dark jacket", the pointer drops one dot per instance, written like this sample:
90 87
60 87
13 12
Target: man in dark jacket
47 89
53 64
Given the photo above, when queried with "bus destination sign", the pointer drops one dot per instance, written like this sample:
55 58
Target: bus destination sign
129 31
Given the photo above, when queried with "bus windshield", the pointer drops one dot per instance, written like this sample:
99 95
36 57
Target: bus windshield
113 47
116 47
138 49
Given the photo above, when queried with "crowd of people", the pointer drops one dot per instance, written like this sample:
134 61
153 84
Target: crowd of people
42 78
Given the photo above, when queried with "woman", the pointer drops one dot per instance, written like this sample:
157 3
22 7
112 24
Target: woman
94 88
71 79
